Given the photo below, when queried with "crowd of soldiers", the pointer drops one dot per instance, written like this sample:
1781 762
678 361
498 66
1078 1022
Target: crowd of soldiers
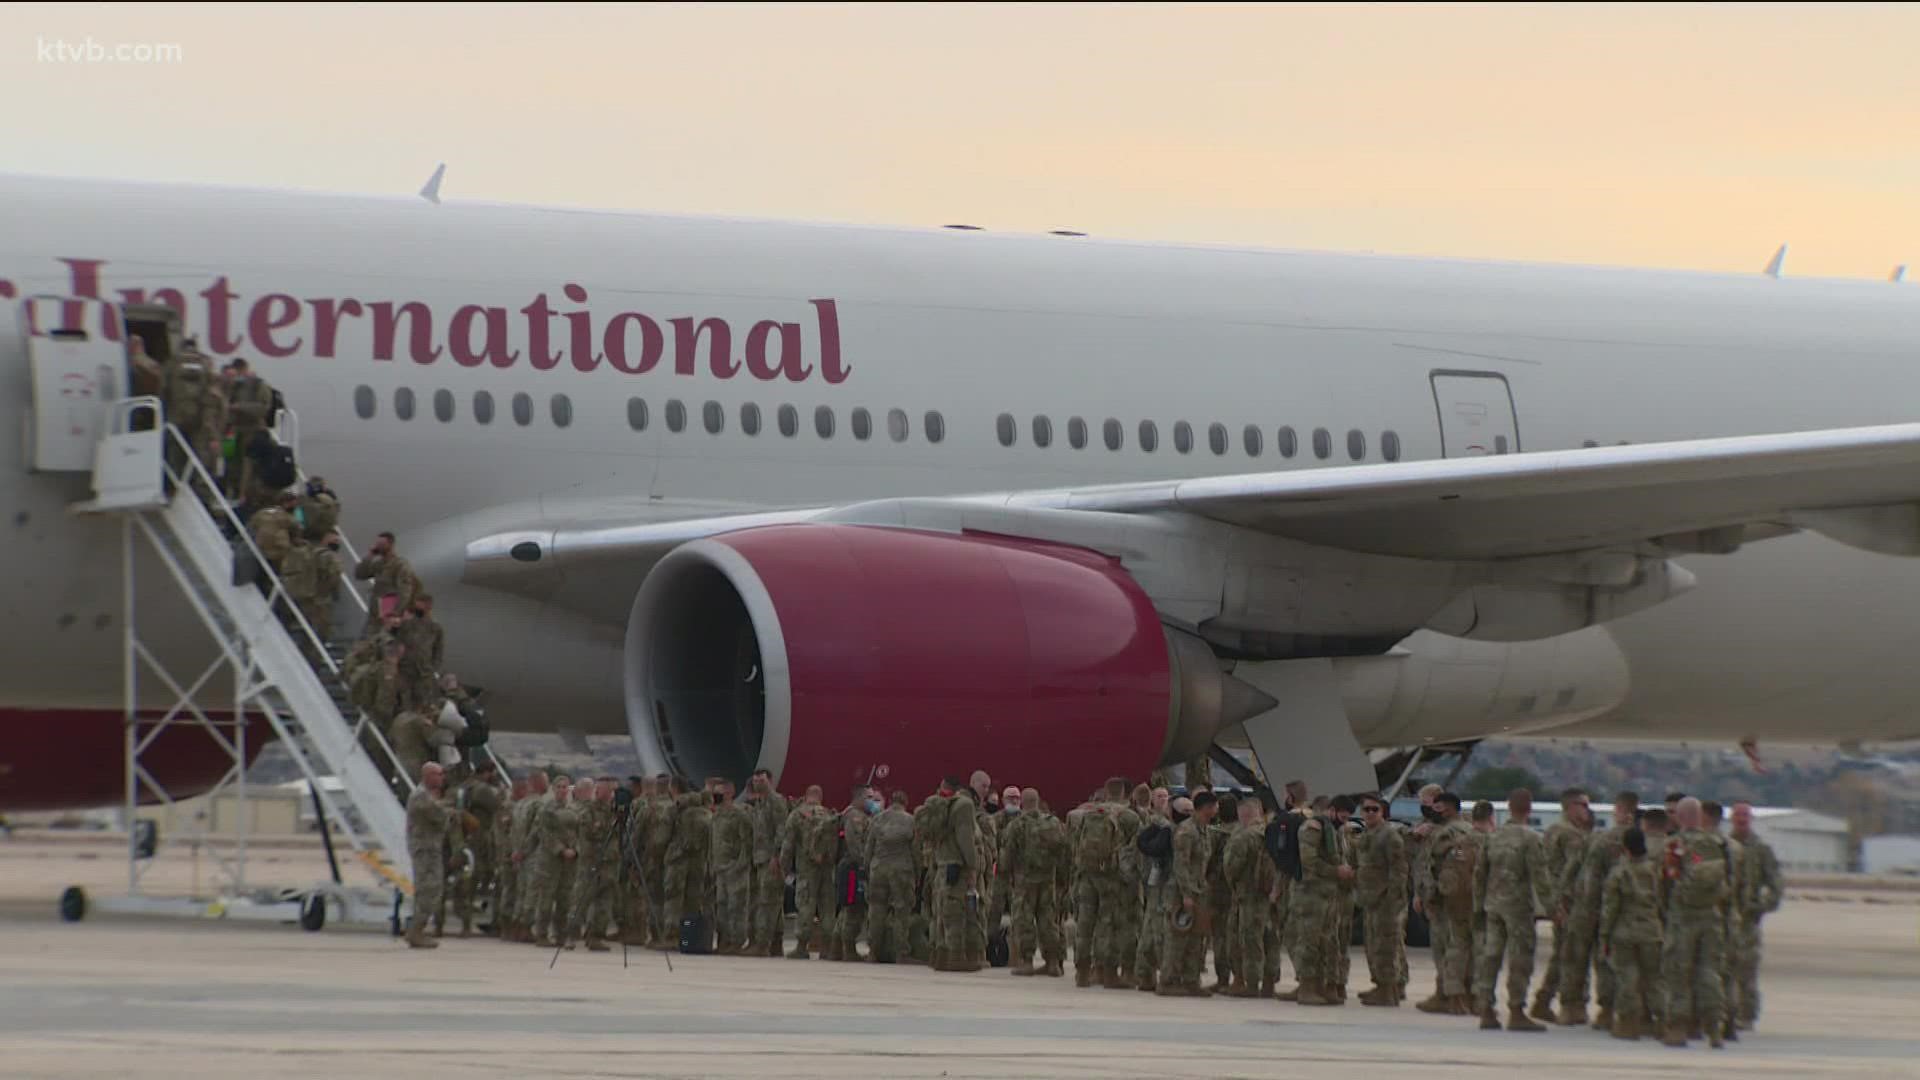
1659 914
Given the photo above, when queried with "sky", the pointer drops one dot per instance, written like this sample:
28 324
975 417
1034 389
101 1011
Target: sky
1672 136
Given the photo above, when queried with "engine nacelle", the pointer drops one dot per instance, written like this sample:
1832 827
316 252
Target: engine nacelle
839 654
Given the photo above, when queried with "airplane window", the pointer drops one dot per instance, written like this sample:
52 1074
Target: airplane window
936 427
714 417
1322 443
1077 433
1183 437
897 425
862 424
823 422
1390 445
750 419
364 402
1111 430
1356 444
561 406
1287 442
403 403
636 413
443 405
1255 441
1217 438
789 418
483 406
522 409
1149 436
1042 432
676 416
1499 444
1003 426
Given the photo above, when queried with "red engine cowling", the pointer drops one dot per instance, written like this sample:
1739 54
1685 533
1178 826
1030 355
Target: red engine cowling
833 654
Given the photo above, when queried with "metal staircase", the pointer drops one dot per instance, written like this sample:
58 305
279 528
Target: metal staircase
285 671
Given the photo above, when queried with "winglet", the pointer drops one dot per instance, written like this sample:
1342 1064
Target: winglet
1899 274
1778 261
431 192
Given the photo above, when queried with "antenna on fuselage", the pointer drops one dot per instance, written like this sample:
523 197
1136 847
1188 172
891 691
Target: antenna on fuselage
431 192
1778 261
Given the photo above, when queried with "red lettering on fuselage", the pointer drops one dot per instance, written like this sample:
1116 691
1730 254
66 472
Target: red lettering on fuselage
281 325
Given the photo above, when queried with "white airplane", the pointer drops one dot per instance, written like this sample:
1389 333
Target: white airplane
828 499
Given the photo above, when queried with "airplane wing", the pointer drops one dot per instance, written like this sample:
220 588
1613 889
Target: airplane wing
1563 500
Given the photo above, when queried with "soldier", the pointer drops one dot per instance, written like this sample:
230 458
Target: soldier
411 737
319 508
190 392
479 800
890 877
147 378
1341 943
1226 822
688 851
1694 888
849 871
273 531
1155 843
558 849
324 586
1005 820
1579 917
598 862
1451 853
394 585
986 836
1323 869
659 836
1510 883
1712 814
629 892
1100 892
1759 896
1566 843
1033 858
527 854
806 848
958 875
249 400
426 646
1420 858
428 817
1381 890
506 902
768 810
1249 874
1630 932
1187 929
732 873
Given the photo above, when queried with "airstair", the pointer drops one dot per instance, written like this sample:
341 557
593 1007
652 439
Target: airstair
284 670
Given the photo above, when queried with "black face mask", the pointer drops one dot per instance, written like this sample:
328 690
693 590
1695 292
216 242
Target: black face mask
1431 813
1179 817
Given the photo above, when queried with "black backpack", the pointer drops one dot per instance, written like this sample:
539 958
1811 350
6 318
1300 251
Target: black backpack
696 935
1155 842
277 469
1283 842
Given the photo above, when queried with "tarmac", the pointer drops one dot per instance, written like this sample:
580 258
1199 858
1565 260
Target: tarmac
150 997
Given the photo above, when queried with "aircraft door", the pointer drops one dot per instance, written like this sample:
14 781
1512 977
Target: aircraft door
77 375
1476 414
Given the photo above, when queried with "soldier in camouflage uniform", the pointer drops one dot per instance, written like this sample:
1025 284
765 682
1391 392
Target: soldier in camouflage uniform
392 576
687 854
1510 884
1323 868
1566 843
844 944
1579 918
986 836
811 841
768 810
1187 928
480 798
428 819
512 828
1694 888
1630 932
598 862
1760 894
659 835
1250 878
1451 853
526 850
1156 888
1220 900
1033 859
1101 830
732 873
1349 834
557 849
426 649
960 873
889 858
1381 889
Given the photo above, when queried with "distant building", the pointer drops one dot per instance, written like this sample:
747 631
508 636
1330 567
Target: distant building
1890 855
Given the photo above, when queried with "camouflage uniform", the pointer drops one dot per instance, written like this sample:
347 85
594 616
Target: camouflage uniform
921 934
483 801
1341 941
986 837
1132 869
410 737
593 882
1694 886
420 664
659 821
321 513
1565 844
525 835
1157 891
1186 948
249 399
844 944
1220 901
273 533
958 874
559 831
1582 881
811 843
687 853
428 818
1381 881
1249 875
733 876
1760 894
1451 852
768 885
1033 860
1510 881
391 575
1312 910
1096 831
890 876
1630 938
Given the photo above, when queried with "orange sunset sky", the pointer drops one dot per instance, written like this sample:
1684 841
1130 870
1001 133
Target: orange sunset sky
1663 135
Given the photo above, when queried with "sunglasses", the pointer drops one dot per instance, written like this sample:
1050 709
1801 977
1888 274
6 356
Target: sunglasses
1370 809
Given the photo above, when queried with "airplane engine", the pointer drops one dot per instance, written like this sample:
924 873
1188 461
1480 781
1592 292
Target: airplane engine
838 654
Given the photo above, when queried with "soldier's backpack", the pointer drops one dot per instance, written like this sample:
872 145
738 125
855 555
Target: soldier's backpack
1048 842
930 823
1283 842
277 467
1098 841
823 839
1699 874
1454 880
186 385
296 572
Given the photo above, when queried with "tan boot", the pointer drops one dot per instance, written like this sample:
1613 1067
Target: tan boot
1054 969
1117 981
1380 995
1543 1006
417 937
1627 1027
1676 1036
1438 1004
1082 975
1488 1021
594 944
1462 1005
1316 993
1022 969
1287 995
1518 1021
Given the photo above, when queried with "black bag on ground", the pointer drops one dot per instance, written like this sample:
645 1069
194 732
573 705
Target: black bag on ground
997 951
696 935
